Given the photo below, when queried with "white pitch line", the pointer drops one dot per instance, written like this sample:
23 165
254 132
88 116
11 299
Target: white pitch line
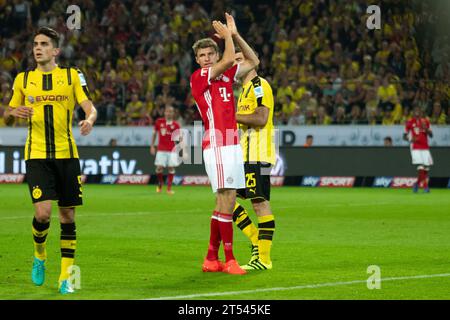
309 286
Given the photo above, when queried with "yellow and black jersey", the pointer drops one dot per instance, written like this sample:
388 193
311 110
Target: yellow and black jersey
52 95
258 143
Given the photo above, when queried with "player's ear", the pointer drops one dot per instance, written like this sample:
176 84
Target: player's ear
56 51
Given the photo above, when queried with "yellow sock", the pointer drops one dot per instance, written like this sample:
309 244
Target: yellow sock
66 263
266 226
40 232
244 223
68 246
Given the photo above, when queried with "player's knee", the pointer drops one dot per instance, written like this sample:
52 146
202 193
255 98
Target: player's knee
42 216
226 200
43 212
261 207
171 170
159 169
67 215
420 167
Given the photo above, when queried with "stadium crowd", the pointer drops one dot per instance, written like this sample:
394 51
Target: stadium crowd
324 64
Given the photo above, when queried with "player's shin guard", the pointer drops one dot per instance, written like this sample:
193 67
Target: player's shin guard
40 231
243 222
266 226
226 233
214 238
68 246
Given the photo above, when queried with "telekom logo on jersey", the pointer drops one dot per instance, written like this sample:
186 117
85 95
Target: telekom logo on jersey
223 93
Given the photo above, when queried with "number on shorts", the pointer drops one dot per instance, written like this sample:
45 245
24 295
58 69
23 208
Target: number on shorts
251 181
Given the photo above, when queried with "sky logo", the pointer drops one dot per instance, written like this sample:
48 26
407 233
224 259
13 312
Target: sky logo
382 182
310 181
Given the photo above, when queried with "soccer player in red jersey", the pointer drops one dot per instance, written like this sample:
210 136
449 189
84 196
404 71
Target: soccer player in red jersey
417 131
211 87
168 131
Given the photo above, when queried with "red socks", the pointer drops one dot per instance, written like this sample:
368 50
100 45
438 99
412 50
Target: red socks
221 229
226 232
214 238
160 179
422 178
169 181
425 179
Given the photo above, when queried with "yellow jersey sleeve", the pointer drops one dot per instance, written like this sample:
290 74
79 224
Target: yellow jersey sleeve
17 98
80 86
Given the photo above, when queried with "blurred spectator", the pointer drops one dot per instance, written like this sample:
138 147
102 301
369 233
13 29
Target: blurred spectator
387 95
309 141
113 142
134 110
322 117
388 141
438 115
339 116
297 118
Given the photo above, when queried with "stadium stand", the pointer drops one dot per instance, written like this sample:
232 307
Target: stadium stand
325 65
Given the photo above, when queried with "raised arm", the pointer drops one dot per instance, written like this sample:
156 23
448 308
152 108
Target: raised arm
227 60
251 59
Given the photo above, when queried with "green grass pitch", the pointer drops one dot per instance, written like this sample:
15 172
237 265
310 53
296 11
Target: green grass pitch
136 244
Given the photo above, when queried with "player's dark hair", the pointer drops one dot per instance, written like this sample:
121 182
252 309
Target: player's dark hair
309 136
49 32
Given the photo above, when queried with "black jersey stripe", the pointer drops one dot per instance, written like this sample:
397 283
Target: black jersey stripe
25 79
69 76
248 145
49 132
86 92
69 139
47 82
248 91
85 88
30 133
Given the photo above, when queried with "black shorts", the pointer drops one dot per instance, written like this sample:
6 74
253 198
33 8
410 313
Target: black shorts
58 179
257 181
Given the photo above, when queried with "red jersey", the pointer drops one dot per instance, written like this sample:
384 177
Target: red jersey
215 102
417 128
165 130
